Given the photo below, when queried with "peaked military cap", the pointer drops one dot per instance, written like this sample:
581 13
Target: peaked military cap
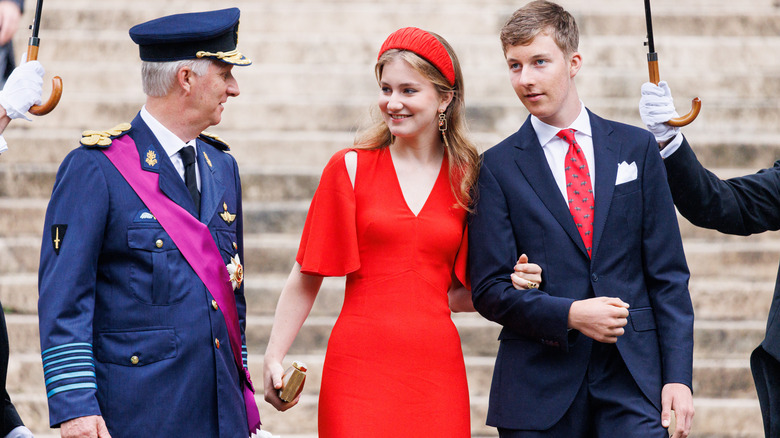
212 34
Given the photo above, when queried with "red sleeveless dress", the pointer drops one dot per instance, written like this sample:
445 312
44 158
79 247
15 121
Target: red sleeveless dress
394 365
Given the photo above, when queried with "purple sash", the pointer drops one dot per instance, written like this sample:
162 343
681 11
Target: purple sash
196 244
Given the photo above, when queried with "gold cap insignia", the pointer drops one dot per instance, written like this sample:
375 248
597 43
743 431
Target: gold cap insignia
227 216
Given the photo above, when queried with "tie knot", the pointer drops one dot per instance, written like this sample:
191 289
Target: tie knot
187 154
568 135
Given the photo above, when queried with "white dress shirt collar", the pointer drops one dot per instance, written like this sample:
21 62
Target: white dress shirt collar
545 132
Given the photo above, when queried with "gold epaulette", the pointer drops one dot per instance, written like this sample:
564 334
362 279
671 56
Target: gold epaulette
214 141
103 138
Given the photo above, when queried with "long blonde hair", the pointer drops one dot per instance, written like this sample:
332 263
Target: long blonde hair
461 152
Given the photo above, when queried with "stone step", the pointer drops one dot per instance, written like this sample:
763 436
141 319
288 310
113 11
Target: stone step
300 421
719 298
33 183
291 150
712 339
715 418
484 78
503 116
599 18
756 259
712 378
274 254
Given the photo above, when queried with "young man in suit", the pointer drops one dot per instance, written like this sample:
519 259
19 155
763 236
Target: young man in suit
742 206
604 345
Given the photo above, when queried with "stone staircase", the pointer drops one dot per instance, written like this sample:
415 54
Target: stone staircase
311 87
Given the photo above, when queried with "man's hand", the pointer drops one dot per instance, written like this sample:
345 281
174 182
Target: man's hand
678 398
656 107
272 382
9 20
92 426
601 318
22 90
526 275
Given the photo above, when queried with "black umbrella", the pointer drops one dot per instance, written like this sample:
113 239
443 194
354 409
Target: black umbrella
32 54
652 65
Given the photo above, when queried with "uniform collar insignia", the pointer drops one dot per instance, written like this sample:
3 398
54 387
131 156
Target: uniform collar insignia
205 155
150 160
227 216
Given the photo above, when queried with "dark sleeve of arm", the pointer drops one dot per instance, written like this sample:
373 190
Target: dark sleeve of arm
10 418
492 256
666 272
743 205
67 280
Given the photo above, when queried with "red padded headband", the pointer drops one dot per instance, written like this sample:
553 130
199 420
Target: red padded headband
423 44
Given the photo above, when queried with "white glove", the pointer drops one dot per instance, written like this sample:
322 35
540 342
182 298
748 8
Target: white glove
22 90
264 434
656 107
20 432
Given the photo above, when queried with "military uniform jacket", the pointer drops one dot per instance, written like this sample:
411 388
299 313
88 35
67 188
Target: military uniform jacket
128 330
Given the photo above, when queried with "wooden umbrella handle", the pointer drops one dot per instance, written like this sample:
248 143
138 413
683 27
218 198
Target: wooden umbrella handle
56 88
655 78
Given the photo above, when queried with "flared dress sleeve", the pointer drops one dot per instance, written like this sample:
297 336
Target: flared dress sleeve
460 268
329 244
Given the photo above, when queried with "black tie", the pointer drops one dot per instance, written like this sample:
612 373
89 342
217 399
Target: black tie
188 157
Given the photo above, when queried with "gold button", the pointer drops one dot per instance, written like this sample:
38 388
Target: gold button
214 304
159 243
134 360
216 342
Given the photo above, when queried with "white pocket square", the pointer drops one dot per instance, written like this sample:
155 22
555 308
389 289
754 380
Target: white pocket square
625 173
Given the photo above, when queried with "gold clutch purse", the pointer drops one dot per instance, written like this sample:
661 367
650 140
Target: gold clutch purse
292 381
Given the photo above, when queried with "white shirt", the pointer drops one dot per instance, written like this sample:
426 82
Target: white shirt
171 143
555 148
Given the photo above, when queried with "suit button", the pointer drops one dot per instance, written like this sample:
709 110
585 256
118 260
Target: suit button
159 243
214 304
134 360
594 277
216 342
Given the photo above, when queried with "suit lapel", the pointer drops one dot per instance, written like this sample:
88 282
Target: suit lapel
211 187
533 164
606 151
171 182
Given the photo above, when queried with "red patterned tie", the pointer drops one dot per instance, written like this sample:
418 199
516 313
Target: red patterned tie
578 189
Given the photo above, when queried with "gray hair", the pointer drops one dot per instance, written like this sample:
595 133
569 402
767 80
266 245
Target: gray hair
158 77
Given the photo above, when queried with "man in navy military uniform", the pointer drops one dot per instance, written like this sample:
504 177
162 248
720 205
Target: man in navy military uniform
134 339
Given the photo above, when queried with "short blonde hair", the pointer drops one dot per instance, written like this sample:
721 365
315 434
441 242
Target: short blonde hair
541 16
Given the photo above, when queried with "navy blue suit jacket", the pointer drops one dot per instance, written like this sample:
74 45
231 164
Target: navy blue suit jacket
128 330
743 205
637 257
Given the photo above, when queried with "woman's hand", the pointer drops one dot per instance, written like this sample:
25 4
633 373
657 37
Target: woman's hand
526 275
272 382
